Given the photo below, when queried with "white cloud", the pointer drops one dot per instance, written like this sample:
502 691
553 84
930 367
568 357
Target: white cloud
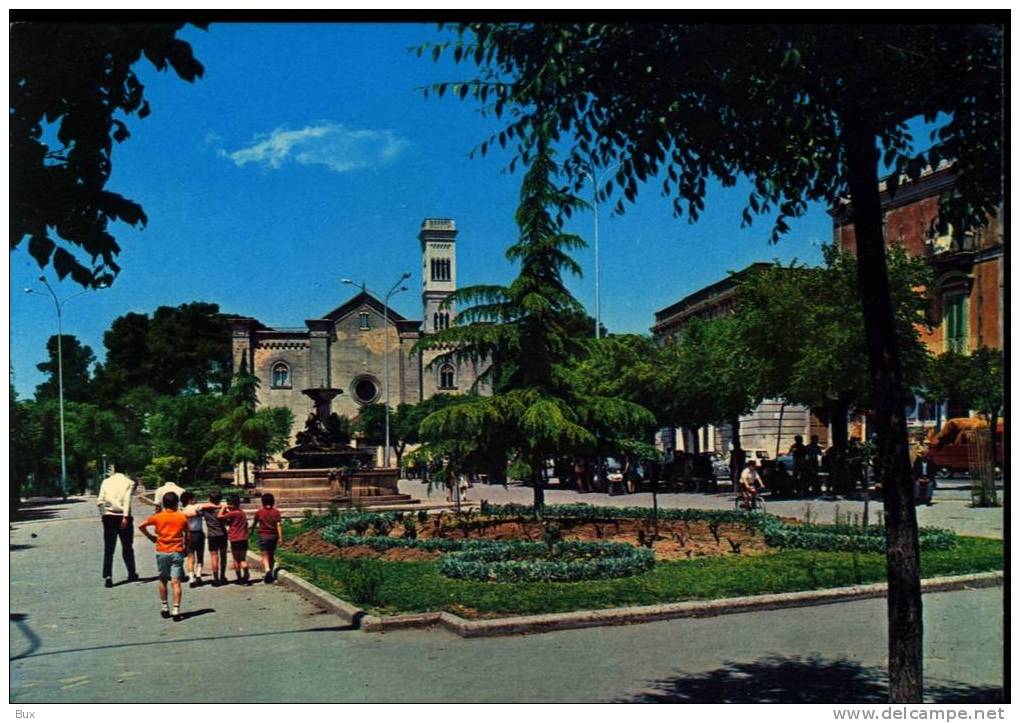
333 145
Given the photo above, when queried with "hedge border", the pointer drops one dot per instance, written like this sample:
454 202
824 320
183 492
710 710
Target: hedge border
571 561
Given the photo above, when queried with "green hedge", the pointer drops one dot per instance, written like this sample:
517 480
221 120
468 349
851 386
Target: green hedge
532 562
592 513
817 538
338 536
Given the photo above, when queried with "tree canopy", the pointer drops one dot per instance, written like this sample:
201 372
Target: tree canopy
244 435
77 360
179 349
72 87
525 334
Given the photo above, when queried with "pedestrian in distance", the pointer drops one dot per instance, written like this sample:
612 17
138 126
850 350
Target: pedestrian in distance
814 462
216 537
171 540
924 478
157 496
115 495
237 533
799 453
270 531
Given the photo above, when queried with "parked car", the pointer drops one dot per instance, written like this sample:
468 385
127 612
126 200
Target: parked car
950 448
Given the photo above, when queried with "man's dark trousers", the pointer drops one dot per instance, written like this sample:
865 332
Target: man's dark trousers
111 531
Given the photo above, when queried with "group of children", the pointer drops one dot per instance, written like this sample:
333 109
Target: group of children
181 540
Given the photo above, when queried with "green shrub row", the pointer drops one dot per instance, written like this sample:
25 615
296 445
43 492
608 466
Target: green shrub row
818 537
535 562
338 536
357 521
592 513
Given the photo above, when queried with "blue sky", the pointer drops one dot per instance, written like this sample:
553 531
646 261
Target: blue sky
307 154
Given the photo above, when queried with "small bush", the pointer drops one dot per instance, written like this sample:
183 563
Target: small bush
363 582
551 535
410 528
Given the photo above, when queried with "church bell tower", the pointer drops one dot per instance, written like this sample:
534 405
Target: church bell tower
438 238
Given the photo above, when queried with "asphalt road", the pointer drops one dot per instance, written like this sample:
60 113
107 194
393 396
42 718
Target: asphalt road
72 640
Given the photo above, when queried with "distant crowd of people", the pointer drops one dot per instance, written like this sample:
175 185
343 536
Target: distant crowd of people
181 529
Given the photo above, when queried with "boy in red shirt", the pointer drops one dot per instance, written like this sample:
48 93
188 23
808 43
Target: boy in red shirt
171 540
237 534
270 533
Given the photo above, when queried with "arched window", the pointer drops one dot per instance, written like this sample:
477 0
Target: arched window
446 378
363 321
446 320
281 375
435 322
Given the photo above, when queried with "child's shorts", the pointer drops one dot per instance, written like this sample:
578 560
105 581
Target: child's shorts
217 543
170 565
240 550
196 544
268 544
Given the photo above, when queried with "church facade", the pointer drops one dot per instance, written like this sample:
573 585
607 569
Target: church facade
346 348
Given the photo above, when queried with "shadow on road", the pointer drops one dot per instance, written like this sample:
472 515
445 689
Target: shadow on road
141 581
20 620
16 548
798 680
42 508
188 614
204 638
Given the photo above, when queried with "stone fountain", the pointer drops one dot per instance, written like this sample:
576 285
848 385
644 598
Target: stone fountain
323 468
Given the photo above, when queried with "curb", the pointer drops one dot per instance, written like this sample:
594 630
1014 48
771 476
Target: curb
697 609
331 603
524 624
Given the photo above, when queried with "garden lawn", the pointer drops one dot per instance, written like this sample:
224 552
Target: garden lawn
418 586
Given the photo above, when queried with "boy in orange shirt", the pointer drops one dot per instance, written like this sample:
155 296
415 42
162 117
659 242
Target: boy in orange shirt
171 540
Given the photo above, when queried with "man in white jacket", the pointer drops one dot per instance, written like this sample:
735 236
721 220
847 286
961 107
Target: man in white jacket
115 497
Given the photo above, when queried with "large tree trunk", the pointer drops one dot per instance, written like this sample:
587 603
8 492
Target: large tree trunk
840 473
902 556
737 456
779 432
538 487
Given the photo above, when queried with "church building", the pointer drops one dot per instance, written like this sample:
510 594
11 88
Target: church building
347 348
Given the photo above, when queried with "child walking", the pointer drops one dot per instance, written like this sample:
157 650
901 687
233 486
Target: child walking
171 540
196 536
216 537
270 534
237 534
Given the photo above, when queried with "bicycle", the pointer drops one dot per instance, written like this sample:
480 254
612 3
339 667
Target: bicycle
757 503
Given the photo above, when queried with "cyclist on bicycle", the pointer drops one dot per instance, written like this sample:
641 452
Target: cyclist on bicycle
750 483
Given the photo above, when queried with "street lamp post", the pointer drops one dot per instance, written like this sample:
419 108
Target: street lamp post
596 181
60 374
386 356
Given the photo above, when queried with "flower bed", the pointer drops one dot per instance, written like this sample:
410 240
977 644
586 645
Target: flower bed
514 560
534 562
846 538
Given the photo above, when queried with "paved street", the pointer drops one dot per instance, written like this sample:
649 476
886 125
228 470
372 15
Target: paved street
74 641
950 509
